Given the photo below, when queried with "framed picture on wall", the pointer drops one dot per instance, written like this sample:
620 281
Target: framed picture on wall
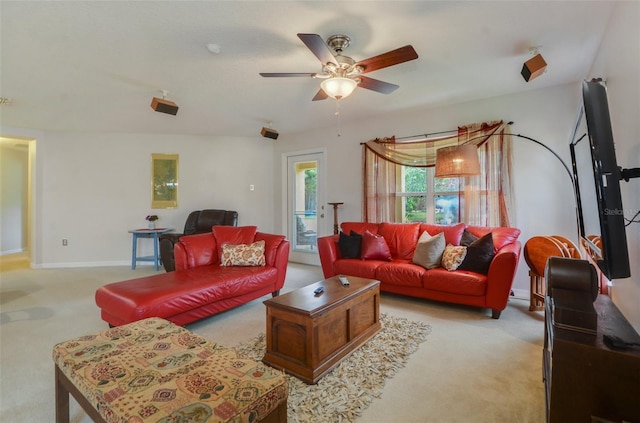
164 181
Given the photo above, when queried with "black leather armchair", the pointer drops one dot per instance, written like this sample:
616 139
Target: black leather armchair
198 222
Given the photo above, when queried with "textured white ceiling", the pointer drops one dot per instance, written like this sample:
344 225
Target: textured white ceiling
95 66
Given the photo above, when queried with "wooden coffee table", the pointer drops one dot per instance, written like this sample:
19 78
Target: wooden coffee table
308 334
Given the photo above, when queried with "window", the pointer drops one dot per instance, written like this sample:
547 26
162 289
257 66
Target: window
424 198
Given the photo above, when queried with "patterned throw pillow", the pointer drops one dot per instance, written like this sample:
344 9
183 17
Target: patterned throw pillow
453 256
243 254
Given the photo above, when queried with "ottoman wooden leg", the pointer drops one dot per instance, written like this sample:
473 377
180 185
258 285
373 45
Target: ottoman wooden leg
64 387
62 399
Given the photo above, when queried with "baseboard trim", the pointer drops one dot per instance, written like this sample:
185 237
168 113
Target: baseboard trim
521 294
89 264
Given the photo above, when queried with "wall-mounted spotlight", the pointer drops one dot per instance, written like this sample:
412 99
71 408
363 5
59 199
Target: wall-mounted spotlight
164 106
533 67
269 132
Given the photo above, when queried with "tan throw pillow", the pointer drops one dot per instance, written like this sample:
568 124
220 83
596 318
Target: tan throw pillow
243 254
429 249
453 256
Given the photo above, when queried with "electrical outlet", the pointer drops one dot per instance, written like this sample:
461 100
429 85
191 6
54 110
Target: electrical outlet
65 242
252 187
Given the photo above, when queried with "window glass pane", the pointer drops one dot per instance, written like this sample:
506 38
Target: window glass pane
414 179
447 207
415 209
446 184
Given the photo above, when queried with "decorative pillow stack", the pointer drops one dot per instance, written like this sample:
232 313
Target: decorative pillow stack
367 246
473 254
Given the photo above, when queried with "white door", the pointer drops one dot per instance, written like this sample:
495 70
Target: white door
305 205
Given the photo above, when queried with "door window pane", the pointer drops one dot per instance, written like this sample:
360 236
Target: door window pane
305 205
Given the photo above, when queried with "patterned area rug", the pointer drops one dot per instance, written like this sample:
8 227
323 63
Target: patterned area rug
342 394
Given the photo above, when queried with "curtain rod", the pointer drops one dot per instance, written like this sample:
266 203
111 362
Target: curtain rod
427 135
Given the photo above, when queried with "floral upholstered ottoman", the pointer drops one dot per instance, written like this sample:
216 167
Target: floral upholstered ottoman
154 371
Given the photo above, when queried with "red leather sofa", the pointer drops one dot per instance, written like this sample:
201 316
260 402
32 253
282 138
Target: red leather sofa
401 276
200 286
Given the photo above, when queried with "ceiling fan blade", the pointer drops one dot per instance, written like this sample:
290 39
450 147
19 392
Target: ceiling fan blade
390 58
276 75
376 85
316 44
320 95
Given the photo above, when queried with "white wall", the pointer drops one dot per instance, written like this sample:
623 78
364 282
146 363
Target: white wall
544 193
618 62
92 188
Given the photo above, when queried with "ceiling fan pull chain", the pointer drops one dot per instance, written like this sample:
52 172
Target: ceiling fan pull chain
337 114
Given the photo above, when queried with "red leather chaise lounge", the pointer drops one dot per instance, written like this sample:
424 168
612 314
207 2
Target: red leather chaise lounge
202 285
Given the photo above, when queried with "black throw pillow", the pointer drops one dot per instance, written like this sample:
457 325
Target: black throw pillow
350 244
467 238
479 255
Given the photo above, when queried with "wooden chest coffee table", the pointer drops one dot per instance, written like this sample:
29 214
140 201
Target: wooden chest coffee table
308 334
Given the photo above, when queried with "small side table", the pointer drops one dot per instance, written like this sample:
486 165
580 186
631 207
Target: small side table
147 233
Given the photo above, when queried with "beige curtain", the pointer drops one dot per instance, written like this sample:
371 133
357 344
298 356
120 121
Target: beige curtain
382 158
488 196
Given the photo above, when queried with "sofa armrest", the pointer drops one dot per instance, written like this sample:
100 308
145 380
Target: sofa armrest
501 274
281 262
167 241
329 252
195 251
180 257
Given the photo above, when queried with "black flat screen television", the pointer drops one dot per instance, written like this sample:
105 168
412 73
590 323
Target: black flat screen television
597 184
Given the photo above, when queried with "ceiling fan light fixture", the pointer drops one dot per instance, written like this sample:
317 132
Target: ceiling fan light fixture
338 87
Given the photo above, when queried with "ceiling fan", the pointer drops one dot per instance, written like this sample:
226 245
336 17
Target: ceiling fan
341 74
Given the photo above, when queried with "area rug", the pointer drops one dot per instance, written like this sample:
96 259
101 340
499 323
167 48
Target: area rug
346 391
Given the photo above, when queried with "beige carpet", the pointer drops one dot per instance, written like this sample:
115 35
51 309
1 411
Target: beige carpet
471 369
347 390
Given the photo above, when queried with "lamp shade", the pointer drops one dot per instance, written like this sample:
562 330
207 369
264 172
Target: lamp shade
457 161
338 87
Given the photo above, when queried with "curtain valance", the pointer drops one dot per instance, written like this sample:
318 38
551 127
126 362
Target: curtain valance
423 153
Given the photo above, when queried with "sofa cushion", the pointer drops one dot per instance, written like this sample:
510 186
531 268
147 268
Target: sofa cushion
501 235
429 249
243 254
359 227
233 235
460 282
479 255
201 249
357 267
401 272
401 238
452 233
350 245
271 244
374 247
453 256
